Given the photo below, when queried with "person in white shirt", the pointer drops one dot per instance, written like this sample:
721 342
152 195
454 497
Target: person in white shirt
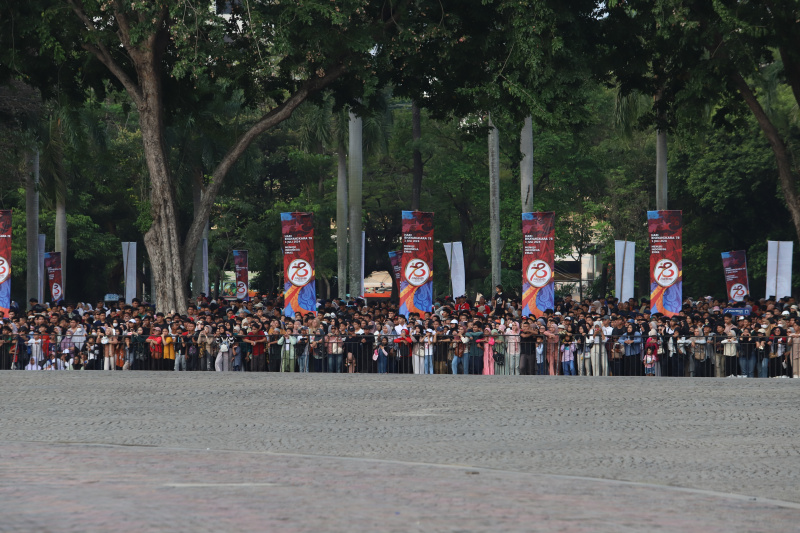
32 365
35 343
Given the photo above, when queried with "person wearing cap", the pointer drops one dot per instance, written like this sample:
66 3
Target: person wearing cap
155 341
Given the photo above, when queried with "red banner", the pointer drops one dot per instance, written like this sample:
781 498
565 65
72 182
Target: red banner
666 262
735 266
5 261
396 258
242 275
416 271
52 265
299 281
538 263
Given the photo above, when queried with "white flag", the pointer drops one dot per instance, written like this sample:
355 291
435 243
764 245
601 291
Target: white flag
129 266
455 259
779 268
624 262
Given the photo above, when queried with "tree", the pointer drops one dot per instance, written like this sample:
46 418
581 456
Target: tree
169 58
702 54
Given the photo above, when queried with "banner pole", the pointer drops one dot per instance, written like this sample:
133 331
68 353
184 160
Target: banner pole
450 264
622 274
777 268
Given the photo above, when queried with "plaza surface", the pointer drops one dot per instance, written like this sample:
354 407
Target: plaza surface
145 451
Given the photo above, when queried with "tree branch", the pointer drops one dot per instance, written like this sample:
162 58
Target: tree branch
270 120
101 53
782 158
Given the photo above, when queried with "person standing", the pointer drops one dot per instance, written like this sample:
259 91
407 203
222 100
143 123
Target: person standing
597 347
632 344
257 341
512 349
568 354
551 347
527 342
487 341
428 345
460 351
287 343
475 361
109 342
334 347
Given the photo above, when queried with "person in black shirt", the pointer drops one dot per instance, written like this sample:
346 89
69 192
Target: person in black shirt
527 341
498 301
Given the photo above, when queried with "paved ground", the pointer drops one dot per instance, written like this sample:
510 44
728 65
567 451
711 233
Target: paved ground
92 451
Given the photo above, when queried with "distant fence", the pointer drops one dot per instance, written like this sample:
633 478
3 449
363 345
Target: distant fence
473 353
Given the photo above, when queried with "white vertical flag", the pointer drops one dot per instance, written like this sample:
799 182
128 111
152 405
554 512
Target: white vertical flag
624 259
129 266
779 268
205 267
455 259
42 274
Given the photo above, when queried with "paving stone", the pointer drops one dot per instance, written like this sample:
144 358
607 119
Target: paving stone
366 446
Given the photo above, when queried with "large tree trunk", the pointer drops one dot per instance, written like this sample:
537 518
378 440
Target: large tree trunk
354 201
161 240
341 221
32 224
526 165
416 156
783 159
494 201
61 236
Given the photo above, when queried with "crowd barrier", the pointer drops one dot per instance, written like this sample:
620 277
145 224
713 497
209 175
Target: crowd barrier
712 356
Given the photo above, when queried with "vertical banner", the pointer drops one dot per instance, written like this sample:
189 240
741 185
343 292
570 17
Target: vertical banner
299 281
395 258
538 263
52 265
734 264
205 268
624 259
5 261
455 260
779 268
40 294
666 261
129 266
242 274
363 253
416 270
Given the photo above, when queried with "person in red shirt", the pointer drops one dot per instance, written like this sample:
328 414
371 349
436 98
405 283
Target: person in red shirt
461 304
403 347
256 338
156 349
483 308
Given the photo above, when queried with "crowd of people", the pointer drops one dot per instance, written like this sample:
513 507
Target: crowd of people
709 338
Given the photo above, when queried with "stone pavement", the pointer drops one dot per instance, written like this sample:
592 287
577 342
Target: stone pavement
93 451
